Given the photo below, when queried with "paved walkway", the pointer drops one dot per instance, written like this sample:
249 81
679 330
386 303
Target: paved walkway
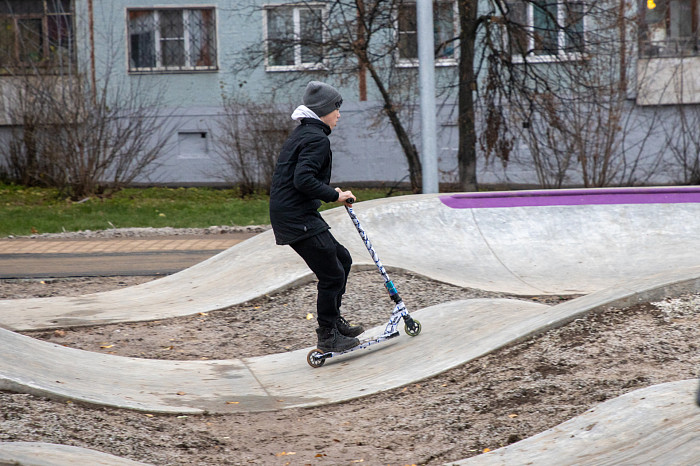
615 254
114 245
44 258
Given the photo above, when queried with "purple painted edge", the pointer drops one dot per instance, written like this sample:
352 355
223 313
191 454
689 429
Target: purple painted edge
563 197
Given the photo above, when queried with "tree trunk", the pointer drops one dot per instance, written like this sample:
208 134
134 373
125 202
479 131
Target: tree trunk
410 151
466 155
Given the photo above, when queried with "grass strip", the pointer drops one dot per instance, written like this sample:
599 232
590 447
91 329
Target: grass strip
26 211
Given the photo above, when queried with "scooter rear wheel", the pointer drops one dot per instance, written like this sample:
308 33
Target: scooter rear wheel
314 358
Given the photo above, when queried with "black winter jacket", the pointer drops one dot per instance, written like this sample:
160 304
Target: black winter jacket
300 182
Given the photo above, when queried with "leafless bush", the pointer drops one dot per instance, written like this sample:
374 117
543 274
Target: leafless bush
250 136
79 139
24 148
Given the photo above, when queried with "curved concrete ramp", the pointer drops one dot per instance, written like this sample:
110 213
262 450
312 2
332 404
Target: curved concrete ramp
245 271
452 334
50 454
571 241
658 425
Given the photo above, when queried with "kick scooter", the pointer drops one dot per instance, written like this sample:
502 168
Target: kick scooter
316 357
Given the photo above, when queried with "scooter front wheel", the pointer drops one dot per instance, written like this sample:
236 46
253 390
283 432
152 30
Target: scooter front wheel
412 328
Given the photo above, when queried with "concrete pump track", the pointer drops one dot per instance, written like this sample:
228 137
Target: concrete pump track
616 247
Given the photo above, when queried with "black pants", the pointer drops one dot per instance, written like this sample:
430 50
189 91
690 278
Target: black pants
331 262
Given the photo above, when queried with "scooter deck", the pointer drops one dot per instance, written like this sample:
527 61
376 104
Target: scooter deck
316 357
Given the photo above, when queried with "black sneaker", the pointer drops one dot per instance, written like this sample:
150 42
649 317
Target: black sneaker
331 340
346 329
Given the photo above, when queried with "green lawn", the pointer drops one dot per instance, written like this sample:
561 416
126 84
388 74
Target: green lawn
24 211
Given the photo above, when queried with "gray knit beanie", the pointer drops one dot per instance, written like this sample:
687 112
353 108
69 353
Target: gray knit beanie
322 98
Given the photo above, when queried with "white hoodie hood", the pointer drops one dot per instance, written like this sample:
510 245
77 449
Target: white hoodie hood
302 111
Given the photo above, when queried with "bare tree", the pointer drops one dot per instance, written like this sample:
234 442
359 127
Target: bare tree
469 22
564 91
535 71
350 40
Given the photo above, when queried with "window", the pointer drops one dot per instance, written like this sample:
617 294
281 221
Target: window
36 34
546 31
669 28
173 39
294 37
444 23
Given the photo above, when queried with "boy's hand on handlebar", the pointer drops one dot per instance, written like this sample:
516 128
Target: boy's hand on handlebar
345 197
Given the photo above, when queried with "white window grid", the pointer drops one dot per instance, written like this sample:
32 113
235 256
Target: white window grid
413 62
158 40
562 54
296 18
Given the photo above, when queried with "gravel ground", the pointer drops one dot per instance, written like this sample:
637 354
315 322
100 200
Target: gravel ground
490 402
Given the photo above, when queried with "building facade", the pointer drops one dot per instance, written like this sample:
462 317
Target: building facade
189 57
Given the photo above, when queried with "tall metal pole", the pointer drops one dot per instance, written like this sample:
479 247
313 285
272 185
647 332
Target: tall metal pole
426 69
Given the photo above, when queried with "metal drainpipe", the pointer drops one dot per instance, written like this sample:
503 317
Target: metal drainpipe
426 60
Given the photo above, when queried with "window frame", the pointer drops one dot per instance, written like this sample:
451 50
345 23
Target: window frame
48 62
562 54
413 62
186 39
671 46
298 65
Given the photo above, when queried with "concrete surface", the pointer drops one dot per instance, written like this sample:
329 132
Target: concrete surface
452 334
551 249
581 242
51 454
658 425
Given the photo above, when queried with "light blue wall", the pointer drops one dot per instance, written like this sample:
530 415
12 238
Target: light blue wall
239 26
364 144
364 149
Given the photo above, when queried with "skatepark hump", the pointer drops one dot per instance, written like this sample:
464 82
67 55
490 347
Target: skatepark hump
496 242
